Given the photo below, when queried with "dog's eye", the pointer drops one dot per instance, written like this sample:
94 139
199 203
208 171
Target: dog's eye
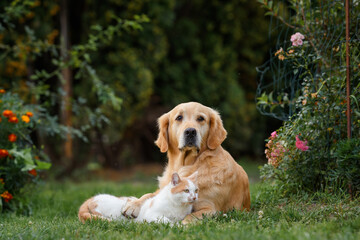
186 191
200 119
179 118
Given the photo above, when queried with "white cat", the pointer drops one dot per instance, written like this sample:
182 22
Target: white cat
171 204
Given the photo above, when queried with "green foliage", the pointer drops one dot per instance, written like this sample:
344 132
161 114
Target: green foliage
33 61
31 66
308 152
321 124
347 156
20 159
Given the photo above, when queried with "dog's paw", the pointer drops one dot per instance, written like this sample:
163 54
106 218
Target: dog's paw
132 208
189 219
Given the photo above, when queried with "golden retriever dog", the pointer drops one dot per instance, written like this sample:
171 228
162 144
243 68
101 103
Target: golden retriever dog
192 134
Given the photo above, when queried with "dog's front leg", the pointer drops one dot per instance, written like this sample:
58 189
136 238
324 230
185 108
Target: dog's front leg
132 207
201 208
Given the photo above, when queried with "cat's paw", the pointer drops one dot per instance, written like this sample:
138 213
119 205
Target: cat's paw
132 208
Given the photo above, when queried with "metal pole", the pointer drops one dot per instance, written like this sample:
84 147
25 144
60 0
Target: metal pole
348 113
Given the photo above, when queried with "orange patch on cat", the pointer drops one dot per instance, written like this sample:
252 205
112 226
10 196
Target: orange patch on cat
151 203
182 185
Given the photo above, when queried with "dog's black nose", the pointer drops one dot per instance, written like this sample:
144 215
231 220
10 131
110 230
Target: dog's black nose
190 132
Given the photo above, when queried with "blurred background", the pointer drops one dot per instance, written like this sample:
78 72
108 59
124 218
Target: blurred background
102 72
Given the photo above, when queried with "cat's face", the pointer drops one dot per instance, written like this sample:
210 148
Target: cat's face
185 191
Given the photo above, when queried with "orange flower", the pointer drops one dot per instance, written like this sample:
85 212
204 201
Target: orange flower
3 153
7 196
29 114
25 118
8 113
13 119
2 91
33 172
280 51
0 119
2 181
12 137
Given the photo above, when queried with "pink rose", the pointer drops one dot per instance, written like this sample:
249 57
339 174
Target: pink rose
302 145
297 39
273 134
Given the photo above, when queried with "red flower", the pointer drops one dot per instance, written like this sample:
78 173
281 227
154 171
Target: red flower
7 196
29 114
13 119
3 153
12 137
8 113
33 172
302 145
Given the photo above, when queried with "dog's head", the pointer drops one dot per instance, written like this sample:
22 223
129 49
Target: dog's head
190 126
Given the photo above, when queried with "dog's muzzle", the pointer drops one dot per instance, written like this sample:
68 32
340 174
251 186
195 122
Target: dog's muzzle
190 136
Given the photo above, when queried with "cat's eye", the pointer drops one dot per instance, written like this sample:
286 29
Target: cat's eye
186 191
200 119
196 191
179 118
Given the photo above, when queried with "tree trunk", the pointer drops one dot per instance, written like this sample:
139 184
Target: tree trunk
66 83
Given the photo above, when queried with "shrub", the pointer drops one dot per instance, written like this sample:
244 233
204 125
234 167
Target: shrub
305 153
20 160
309 152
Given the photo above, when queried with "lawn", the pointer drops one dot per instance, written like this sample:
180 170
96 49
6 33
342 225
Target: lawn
55 205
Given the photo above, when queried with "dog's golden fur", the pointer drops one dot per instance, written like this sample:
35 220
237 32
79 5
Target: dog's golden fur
223 184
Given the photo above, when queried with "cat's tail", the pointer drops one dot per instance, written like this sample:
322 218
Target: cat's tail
87 211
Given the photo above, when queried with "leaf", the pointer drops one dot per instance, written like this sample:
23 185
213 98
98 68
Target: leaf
25 156
270 4
271 99
263 99
42 165
357 113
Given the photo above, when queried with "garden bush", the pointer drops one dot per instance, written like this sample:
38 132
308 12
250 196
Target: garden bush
311 152
20 160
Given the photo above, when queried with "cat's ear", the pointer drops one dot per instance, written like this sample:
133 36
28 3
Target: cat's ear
175 179
193 177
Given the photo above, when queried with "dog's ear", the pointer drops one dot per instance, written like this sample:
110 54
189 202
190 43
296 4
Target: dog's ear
193 177
217 132
163 139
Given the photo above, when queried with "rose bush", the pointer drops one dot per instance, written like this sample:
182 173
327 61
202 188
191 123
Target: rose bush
20 159
310 151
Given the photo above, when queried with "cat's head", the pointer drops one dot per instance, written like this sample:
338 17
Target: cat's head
185 190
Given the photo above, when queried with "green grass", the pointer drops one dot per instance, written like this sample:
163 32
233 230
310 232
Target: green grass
55 206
